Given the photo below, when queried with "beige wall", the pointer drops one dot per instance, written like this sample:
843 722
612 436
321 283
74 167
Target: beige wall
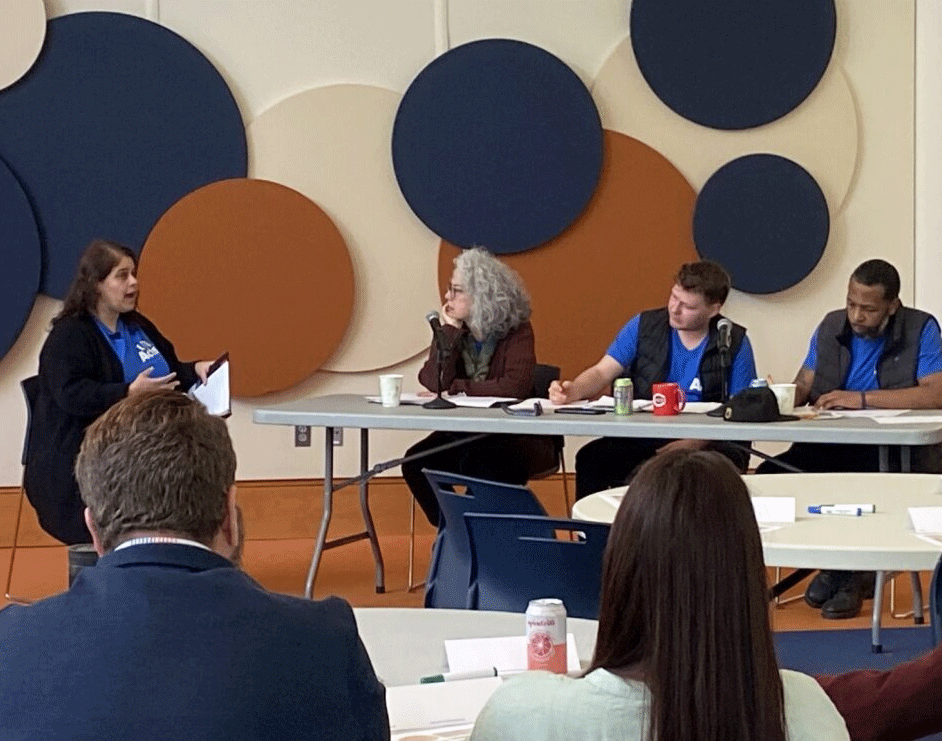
270 49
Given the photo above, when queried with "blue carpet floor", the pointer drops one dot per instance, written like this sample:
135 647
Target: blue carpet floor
837 651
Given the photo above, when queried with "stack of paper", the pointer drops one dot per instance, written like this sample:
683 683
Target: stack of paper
430 712
214 394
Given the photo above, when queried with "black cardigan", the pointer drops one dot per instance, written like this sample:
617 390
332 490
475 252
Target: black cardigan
80 377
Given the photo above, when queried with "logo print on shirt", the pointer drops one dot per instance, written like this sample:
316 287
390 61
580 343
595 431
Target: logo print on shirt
695 385
145 350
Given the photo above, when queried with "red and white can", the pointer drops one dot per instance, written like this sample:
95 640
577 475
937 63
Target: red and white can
546 635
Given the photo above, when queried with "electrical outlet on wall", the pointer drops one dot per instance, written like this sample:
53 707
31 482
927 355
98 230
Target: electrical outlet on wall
302 436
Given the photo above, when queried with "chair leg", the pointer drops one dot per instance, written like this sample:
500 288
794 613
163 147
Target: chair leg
412 586
16 532
779 602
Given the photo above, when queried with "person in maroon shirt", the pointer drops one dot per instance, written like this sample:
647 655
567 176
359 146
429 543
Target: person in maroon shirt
900 704
485 322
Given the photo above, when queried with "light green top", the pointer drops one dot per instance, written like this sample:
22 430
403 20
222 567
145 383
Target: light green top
539 706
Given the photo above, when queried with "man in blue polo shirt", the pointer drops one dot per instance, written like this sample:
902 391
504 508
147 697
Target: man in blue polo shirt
875 353
678 343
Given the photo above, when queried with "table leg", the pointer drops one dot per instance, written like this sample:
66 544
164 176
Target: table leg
328 511
884 458
365 509
905 458
875 645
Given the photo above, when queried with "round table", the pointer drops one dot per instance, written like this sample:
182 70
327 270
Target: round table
882 541
405 644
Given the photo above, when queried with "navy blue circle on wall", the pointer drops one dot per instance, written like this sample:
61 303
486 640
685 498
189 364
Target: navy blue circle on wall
732 64
497 143
22 261
118 119
764 219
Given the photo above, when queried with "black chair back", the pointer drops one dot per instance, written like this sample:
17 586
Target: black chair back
543 376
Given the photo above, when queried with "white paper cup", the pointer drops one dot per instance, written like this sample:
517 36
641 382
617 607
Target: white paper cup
390 389
785 395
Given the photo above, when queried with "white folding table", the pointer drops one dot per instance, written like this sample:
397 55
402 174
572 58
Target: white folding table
353 411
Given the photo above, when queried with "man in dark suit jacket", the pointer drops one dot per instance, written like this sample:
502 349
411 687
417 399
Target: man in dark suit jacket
165 638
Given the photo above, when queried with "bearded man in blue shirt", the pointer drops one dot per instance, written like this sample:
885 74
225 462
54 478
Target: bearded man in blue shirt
875 353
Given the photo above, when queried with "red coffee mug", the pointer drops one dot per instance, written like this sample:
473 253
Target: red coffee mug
668 398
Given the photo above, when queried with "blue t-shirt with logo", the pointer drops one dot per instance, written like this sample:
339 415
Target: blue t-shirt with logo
685 364
134 349
865 353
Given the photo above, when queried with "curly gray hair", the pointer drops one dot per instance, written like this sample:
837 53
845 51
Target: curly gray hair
499 302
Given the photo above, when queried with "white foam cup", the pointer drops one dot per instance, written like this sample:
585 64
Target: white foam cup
785 395
390 389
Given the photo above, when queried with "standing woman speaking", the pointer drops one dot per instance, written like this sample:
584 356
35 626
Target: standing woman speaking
99 350
486 323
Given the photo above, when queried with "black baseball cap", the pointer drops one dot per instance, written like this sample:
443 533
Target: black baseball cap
752 405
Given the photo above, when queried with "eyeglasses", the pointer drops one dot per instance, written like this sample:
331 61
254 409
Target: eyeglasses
536 411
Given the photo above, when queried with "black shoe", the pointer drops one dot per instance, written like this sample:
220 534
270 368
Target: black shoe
824 586
849 598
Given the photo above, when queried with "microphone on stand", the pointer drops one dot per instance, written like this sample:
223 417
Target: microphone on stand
436 325
442 348
724 327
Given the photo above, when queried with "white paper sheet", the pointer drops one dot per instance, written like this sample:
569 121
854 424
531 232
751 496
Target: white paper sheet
550 406
914 419
507 654
214 394
612 499
926 520
473 402
439 710
451 733
869 413
774 509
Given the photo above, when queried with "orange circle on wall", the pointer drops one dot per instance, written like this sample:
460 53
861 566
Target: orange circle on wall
253 268
619 258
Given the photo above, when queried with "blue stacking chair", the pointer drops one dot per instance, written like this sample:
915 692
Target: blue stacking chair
935 603
518 558
450 565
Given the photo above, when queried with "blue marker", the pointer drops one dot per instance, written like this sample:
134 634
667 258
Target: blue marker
853 510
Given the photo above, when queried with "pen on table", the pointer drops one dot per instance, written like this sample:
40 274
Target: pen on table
455 676
842 509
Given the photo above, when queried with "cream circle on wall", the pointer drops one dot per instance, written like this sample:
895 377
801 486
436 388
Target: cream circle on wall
820 134
22 30
332 145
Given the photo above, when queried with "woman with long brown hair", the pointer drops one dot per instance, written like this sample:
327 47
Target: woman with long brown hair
99 350
684 649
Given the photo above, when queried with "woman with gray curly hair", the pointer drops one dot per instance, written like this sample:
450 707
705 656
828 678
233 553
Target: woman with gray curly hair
485 320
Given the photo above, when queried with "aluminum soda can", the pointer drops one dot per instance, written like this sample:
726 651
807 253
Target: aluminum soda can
546 635
624 393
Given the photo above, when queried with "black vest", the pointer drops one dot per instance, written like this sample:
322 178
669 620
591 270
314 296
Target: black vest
896 368
653 357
